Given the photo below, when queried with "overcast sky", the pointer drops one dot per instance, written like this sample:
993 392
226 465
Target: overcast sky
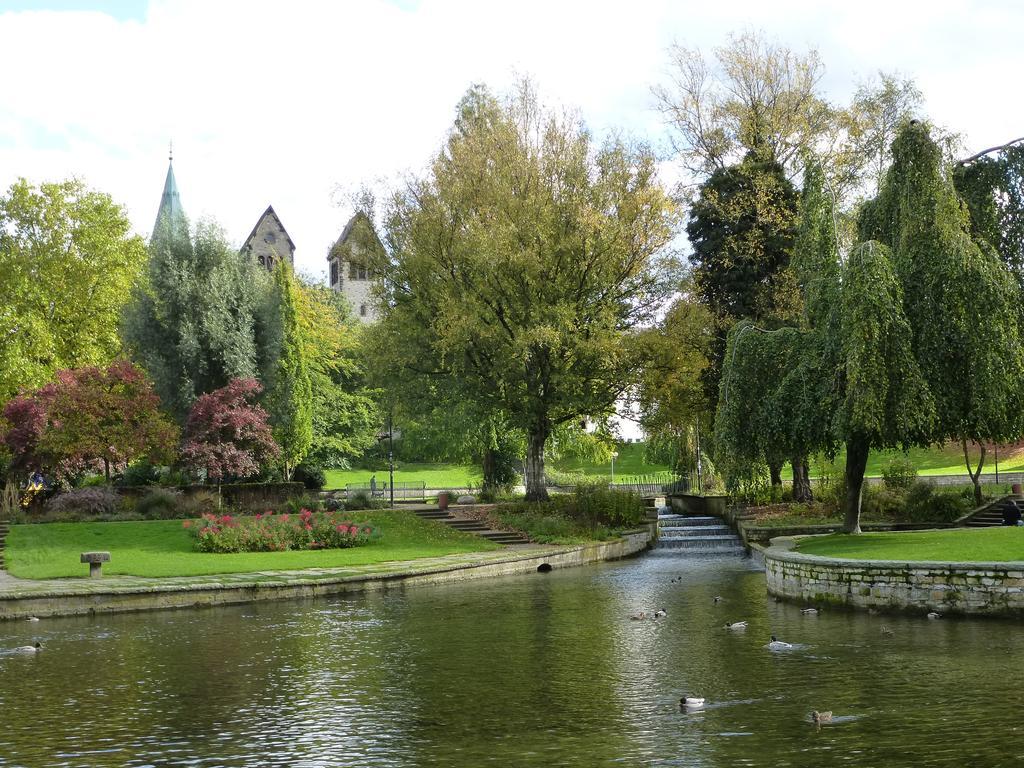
284 103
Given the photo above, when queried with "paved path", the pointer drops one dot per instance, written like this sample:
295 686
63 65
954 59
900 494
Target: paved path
15 588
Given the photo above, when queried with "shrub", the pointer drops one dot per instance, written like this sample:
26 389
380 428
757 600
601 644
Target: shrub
598 505
313 478
883 502
140 473
84 502
359 500
899 472
160 504
278 533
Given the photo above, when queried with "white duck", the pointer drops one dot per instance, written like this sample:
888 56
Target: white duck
660 613
778 645
809 611
692 701
29 648
737 625
933 615
32 618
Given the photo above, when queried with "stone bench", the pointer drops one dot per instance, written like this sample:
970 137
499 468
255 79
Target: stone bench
95 561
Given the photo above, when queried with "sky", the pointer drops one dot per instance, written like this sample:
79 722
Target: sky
297 104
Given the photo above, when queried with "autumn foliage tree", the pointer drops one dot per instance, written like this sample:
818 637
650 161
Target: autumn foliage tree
227 435
86 415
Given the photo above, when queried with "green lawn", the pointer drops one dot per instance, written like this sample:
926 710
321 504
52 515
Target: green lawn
957 544
629 463
943 460
434 475
164 548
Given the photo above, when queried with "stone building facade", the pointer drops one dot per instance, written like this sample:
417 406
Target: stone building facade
350 270
269 243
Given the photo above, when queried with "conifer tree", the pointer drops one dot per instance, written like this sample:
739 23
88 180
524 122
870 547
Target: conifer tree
289 393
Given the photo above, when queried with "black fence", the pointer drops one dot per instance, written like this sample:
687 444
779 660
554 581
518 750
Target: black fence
404 491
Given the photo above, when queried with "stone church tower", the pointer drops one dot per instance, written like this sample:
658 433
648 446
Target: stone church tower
269 242
350 259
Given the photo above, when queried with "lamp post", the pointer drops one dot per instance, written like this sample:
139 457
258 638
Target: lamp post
615 455
391 456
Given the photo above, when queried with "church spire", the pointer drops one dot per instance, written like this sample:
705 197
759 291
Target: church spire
170 202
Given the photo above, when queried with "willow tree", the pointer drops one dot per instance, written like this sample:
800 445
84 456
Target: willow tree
992 185
523 261
960 298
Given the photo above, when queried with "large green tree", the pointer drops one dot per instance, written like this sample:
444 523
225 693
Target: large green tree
522 262
192 323
345 416
289 389
961 299
741 229
68 261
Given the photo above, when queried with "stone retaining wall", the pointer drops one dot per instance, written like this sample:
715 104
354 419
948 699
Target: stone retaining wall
995 589
176 594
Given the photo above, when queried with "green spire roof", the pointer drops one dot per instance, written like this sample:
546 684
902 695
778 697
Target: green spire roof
170 204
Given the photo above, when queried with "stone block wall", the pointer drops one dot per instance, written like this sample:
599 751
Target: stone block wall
958 588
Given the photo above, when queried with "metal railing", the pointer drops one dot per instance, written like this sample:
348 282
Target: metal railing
656 484
404 491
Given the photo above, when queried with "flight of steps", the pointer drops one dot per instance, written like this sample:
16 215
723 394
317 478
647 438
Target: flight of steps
472 526
4 528
992 515
697 535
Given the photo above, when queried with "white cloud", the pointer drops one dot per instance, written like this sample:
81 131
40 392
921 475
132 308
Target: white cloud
279 103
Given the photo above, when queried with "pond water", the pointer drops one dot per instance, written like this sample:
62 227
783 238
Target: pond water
539 670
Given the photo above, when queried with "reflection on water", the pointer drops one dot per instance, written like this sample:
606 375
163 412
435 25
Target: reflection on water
540 670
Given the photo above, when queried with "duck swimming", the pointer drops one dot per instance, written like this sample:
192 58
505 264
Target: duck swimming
810 611
821 717
660 613
691 701
32 618
737 625
933 615
29 648
638 616
778 645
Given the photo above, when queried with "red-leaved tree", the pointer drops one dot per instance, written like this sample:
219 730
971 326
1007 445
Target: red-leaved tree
89 416
227 435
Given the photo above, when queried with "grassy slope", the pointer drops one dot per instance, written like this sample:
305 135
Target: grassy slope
164 548
960 544
630 462
944 460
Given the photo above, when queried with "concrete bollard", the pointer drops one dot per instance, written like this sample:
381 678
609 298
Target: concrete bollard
95 561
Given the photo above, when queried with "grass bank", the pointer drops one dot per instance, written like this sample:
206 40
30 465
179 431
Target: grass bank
957 544
164 548
630 463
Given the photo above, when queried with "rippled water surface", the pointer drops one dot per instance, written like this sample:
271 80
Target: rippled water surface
540 670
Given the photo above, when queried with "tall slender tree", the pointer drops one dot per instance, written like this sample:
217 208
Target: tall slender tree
289 391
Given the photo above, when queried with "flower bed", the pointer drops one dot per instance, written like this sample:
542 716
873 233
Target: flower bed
269 532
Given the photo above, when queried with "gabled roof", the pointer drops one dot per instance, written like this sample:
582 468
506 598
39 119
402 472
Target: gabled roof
170 202
272 214
346 233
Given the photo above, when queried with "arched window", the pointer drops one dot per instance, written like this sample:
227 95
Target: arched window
362 310
334 273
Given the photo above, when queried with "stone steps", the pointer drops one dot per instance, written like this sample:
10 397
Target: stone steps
990 517
472 526
692 535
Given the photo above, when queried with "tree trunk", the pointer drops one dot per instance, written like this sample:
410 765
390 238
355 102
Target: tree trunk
775 470
801 479
536 486
106 470
976 475
489 465
856 463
